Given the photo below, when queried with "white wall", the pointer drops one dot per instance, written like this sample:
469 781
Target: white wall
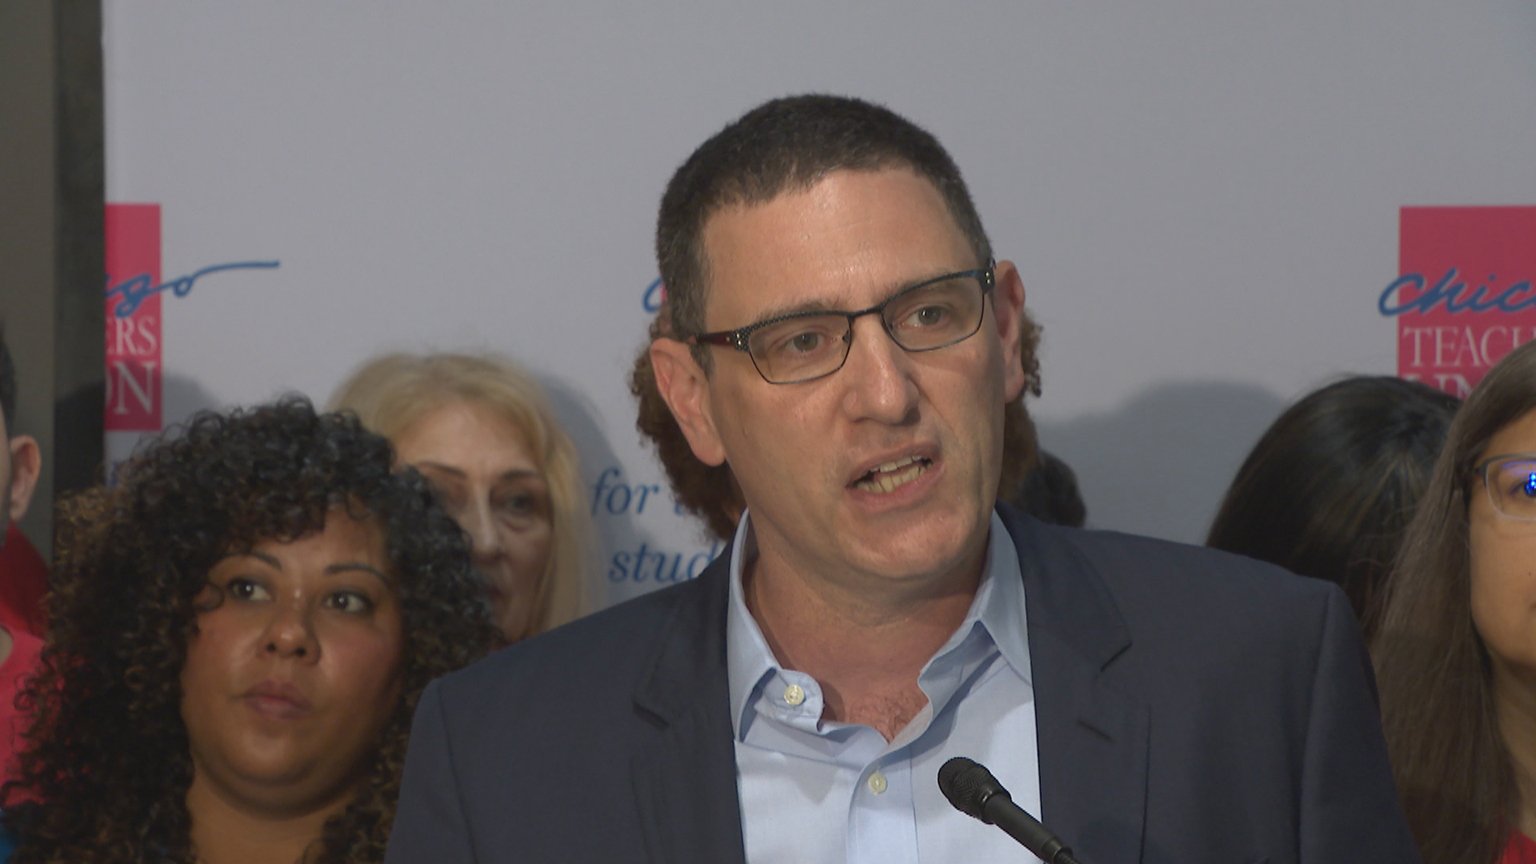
1202 196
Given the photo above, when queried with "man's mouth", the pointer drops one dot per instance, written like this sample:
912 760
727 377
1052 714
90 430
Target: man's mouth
890 476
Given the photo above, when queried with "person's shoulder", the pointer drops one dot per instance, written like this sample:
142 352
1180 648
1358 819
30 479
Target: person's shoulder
584 693
1195 622
1167 567
613 647
1182 597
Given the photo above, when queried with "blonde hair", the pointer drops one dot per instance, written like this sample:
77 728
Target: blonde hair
391 392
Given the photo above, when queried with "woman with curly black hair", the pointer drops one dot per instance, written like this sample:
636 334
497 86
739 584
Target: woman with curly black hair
240 630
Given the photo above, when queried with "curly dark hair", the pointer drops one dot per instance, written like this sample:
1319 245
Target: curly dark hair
107 765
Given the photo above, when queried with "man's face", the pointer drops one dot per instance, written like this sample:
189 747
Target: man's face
809 456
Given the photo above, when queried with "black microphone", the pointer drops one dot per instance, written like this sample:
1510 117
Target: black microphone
975 792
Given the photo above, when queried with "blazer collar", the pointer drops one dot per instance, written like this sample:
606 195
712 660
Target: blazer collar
1093 740
685 777
1064 592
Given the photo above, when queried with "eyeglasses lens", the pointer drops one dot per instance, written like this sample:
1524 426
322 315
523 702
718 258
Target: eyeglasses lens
1512 486
799 348
922 319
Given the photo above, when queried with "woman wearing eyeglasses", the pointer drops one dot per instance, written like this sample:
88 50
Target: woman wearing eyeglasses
1456 647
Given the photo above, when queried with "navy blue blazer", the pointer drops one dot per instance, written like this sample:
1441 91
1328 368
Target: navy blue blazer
1191 706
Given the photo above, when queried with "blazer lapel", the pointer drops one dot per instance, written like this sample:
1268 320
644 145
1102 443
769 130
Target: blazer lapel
1092 740
685 780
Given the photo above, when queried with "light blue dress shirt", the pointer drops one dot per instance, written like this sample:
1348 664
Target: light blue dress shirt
819 792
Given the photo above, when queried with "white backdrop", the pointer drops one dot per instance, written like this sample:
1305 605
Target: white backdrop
1203 197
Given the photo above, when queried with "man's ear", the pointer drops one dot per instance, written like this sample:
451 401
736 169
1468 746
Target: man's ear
1008 302
26 465
685 388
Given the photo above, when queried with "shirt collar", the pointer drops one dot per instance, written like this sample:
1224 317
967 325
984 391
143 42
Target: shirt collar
997 611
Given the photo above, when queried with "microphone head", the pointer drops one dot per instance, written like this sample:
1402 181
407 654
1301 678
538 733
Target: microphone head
968 784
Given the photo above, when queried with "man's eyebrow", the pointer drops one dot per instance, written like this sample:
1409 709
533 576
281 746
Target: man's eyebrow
785 311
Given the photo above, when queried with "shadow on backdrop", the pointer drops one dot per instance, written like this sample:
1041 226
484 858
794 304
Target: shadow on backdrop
181 397
1159 464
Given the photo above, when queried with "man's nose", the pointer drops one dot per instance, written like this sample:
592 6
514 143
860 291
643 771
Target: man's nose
878 375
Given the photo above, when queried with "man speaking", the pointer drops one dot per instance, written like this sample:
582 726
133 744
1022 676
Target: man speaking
846 342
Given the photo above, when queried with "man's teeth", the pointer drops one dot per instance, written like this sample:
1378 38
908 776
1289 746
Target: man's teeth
890 475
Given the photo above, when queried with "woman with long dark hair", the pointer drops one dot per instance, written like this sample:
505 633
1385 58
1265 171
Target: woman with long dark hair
1331 485
1455 648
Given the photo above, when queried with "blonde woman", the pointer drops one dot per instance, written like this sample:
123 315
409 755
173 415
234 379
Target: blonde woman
481 430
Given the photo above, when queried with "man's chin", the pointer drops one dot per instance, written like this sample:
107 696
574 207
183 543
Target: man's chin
934 552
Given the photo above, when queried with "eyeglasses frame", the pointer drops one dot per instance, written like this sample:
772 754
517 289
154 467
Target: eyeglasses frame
740 337
1480 470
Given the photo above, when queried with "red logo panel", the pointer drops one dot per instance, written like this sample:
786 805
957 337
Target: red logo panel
1465 296
134 369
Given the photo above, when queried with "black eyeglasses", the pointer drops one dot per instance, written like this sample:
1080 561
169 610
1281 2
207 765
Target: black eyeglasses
1511 483
803 346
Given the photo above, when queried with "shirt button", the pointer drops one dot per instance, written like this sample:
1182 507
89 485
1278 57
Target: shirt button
877 783
794 694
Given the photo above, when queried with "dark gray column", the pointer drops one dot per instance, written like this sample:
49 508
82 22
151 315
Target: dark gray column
51 267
